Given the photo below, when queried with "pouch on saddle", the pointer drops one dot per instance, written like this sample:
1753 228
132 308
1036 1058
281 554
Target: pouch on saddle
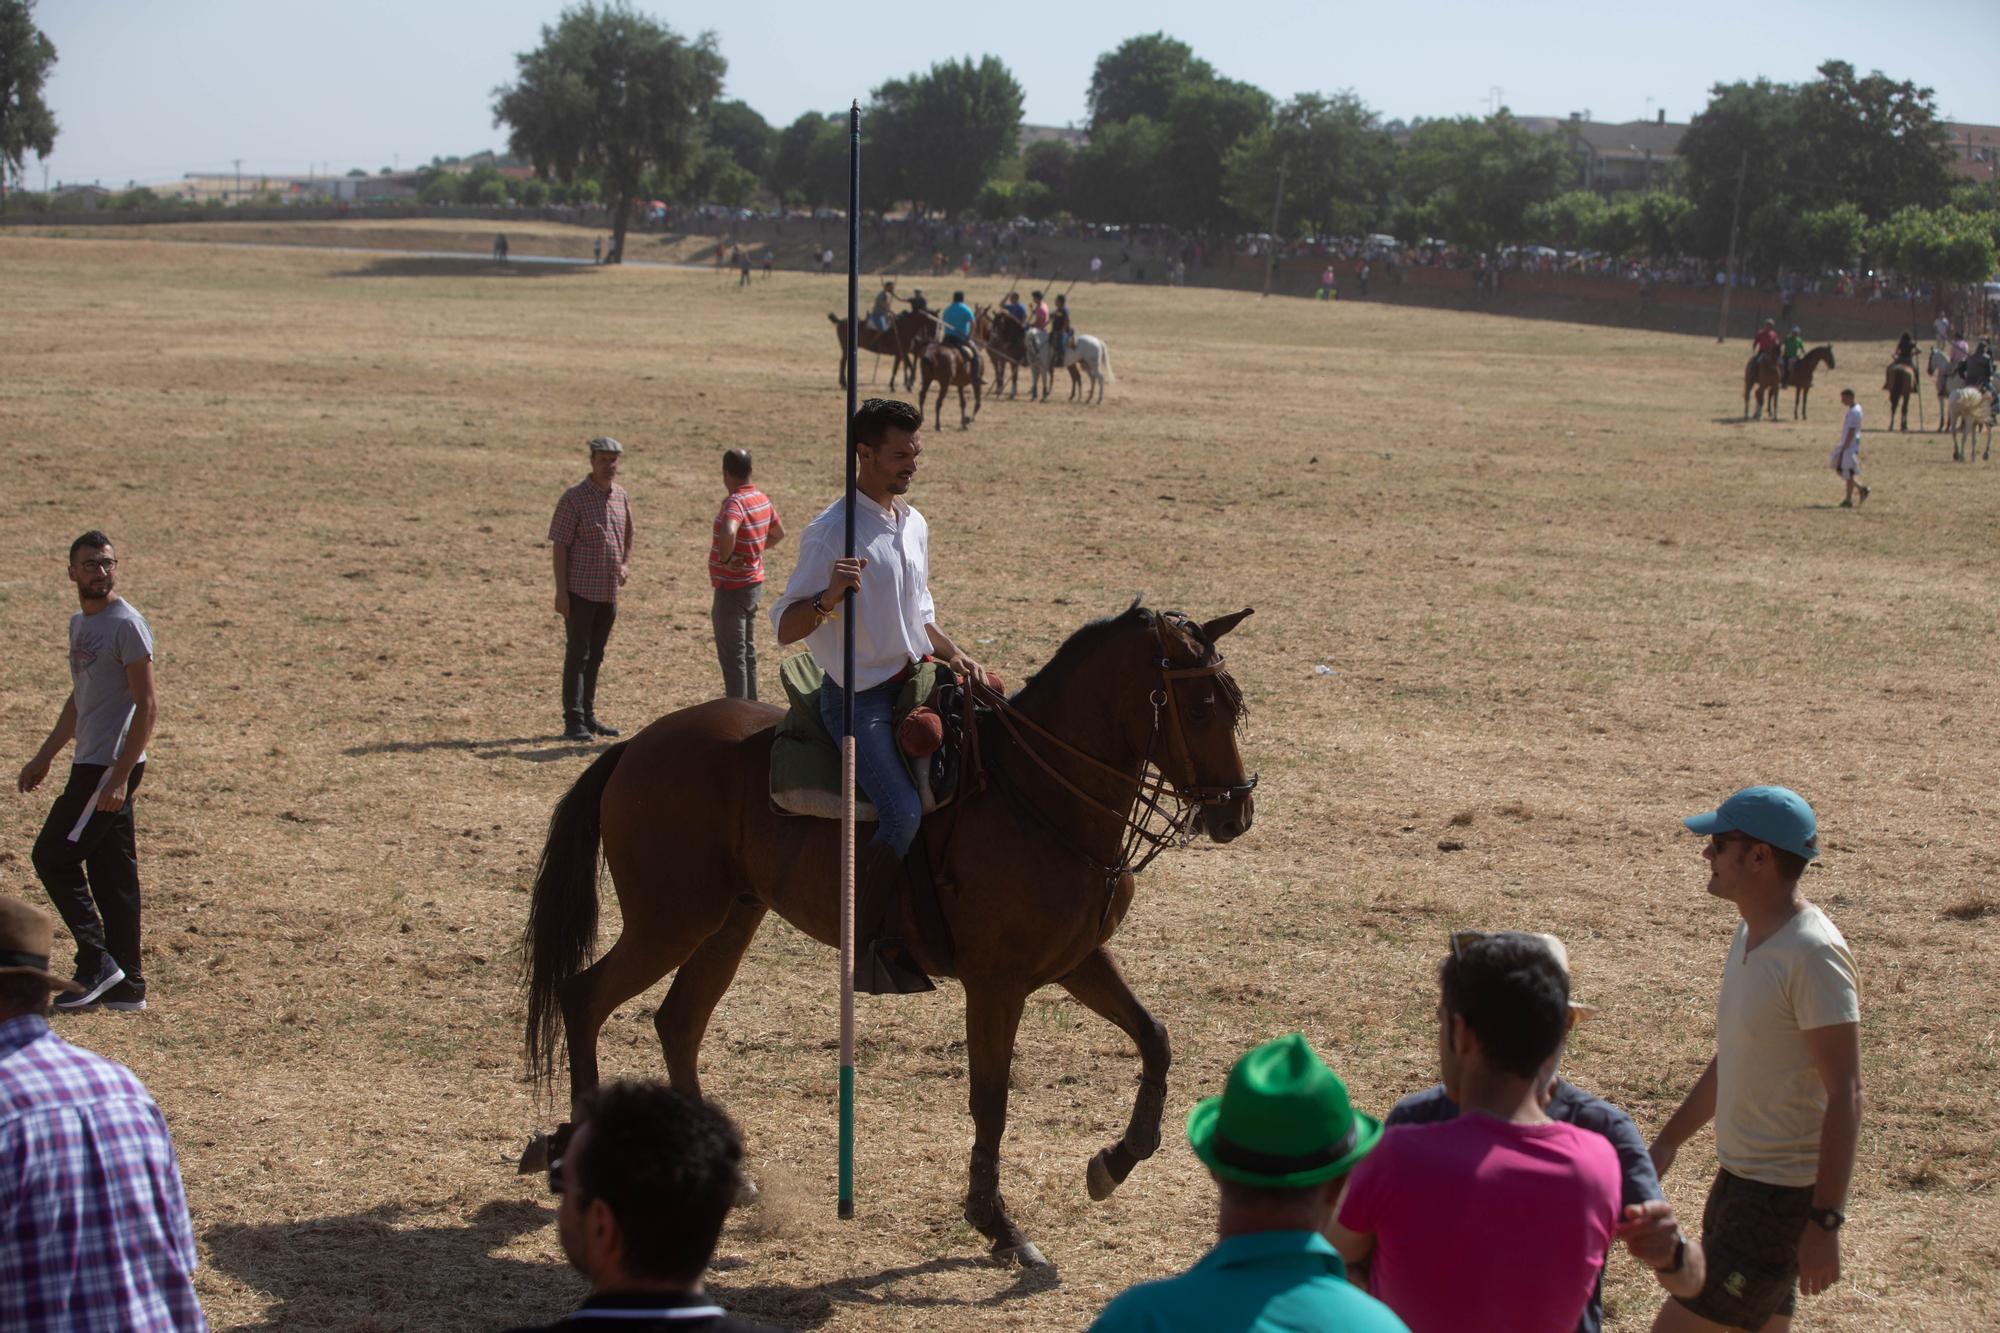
805 758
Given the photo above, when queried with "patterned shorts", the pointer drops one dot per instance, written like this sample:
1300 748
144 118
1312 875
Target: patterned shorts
1750 1236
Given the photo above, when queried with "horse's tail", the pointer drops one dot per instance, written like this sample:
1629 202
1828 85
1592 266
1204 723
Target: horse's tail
562 914
1104 361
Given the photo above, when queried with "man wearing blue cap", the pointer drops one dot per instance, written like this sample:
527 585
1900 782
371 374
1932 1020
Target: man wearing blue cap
1784 1086
1279 1141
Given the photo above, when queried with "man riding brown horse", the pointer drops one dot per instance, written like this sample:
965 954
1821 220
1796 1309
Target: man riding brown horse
894 627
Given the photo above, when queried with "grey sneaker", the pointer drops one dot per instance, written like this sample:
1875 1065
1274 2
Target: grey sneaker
108 974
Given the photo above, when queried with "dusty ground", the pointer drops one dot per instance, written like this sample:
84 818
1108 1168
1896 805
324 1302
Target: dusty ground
1561 610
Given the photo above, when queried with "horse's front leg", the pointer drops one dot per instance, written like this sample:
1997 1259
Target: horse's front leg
991 1020
1099 987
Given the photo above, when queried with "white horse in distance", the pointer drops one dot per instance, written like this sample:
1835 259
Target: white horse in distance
1087 354
1970 411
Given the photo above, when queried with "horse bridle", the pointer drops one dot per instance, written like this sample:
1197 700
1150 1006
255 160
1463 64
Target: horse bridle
1156 791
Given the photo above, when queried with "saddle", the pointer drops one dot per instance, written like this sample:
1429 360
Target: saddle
805 758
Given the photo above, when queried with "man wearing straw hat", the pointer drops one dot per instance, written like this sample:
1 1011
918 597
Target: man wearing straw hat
1279 1141
94 1229
1653 1236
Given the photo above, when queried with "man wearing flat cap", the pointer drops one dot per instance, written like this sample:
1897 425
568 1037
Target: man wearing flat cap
1784 1085
591 534
1279 1141
94 1229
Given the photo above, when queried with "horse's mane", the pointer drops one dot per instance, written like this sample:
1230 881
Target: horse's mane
1055 674
1084 643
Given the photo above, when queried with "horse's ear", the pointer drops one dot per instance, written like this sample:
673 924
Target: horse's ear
1221 625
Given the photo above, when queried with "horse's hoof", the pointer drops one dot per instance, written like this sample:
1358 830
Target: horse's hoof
1099 1180
1025 1254
746 1193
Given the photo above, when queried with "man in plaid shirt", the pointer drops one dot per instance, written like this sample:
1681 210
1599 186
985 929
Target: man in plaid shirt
94 1229
592 536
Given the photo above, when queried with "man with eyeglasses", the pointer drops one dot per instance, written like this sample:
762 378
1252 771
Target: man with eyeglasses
87 856
646 1181
1784 1085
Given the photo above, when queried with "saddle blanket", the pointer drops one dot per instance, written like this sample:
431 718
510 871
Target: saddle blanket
805 759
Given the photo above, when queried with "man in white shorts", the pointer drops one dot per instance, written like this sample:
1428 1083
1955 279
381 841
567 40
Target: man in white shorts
1846 456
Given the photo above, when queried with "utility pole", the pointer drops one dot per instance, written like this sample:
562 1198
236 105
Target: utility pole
1277 207
239 180
1729 276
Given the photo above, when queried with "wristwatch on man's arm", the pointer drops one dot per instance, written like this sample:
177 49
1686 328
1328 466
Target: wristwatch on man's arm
1827 1219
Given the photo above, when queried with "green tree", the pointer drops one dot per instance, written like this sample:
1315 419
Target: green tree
1118 176
610 93
26 56
1048 161
1664 223
534 192
1476 179
1140 78
1746 128
1204 121
1945 246
1873 141
810 159
1828 238
1568 221
1340 165
739 131
942 133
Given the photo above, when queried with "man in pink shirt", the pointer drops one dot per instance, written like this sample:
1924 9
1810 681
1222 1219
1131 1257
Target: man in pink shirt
1500 1219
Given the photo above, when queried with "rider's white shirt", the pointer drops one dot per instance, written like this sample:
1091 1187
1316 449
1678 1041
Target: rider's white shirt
893 604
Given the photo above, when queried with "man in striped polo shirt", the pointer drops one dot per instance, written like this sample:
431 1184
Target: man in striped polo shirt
747 523
592 536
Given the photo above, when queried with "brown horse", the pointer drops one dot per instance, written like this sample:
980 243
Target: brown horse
1122 742
899 341
1761 374
1800 377
949 367
1007 339
1901 382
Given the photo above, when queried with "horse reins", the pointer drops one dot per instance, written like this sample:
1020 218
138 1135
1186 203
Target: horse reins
1154 790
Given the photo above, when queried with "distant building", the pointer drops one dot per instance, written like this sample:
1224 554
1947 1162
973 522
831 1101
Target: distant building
88 198
1031 134
1975 151
1616 158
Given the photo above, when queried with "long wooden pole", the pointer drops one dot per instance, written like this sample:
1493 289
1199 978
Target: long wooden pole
846 1207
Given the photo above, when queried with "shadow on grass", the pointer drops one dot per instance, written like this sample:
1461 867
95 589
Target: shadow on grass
809 1307
363 1271
548 748
467 266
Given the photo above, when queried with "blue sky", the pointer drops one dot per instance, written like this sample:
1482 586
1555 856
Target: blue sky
147 91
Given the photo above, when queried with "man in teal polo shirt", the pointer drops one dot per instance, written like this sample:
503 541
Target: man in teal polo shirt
1279 1141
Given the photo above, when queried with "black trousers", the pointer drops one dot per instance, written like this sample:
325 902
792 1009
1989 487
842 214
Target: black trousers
98 873
589 630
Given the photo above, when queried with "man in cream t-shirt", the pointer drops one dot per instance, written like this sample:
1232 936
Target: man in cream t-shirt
1846 457
1784 1088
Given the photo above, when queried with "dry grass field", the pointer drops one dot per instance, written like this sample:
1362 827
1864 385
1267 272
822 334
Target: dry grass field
1562 606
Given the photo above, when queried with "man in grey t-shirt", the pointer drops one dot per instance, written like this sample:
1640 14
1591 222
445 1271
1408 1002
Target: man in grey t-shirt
87 856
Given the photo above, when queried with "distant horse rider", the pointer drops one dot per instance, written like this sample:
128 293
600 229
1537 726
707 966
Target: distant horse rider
957 320
1906 351
1061 335
1764 346
1978 371
1789 352
1015 310
881 317
1038 317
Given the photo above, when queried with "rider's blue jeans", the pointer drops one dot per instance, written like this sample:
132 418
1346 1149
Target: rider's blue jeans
879 770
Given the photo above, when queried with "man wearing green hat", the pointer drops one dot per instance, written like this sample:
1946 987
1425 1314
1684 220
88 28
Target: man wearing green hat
1784 1085
1279 1141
